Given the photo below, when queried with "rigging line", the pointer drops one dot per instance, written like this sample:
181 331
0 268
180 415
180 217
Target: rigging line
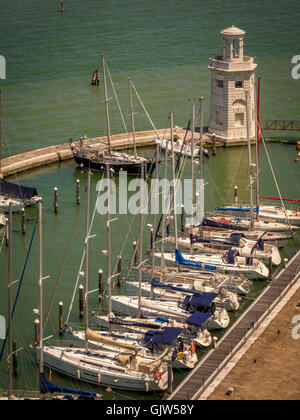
18 292
143 106
274 177
62 266
83 255
128 232
116 97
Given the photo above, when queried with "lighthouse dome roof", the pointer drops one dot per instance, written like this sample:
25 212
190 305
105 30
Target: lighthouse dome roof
233 31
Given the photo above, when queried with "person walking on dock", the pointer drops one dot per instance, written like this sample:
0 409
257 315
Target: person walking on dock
96 78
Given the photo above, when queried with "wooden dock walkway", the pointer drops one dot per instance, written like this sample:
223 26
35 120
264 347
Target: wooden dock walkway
216 359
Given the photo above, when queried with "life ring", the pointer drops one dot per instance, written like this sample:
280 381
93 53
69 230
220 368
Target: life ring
158 376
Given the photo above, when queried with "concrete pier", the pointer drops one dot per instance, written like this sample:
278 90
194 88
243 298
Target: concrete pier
41 157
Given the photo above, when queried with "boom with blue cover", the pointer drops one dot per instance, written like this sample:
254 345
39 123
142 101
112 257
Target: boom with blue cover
192 264
167 336
16 191
48 387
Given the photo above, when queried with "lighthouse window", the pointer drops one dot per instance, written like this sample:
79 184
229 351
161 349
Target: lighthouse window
220 83
239 119
238 84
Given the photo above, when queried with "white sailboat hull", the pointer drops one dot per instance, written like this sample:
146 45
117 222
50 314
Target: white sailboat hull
230 303
246 250
17 205
254 271
128 305
201 337
278 214
98 368
188 361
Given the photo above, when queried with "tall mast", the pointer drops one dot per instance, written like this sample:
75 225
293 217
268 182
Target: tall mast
201 138
106 104
173 179
166 202
250 162
41 288
0 134
10 348
192 155
86 269
257 150
154 216
108 246
132 116
141 241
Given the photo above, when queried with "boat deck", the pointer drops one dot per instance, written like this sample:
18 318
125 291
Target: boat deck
210 366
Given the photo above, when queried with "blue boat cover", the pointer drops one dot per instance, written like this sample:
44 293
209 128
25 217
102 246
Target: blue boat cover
192 264
230 256
47 387
162 320
166 336
236 237
198 318
204 300
182 261
16 191
157 283
213 223
238 209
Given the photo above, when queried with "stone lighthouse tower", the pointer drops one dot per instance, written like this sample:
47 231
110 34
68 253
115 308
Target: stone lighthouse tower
232 74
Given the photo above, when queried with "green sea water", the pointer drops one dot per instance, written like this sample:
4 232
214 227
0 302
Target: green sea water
164 46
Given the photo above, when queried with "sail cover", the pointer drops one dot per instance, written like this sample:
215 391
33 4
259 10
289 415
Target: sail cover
133 323
158 284
48 387
204 300
16 191
167 336
198 318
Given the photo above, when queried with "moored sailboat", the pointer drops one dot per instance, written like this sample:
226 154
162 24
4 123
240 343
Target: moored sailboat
122 369
231 263
96 158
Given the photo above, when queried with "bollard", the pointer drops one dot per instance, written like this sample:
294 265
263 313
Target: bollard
15 358
151 239
236 195
81 301
61 318
214 144
55 199
285 262
36 332
100 277
182 218
214 342
270 269
78 191
119 270
23 228
135 252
